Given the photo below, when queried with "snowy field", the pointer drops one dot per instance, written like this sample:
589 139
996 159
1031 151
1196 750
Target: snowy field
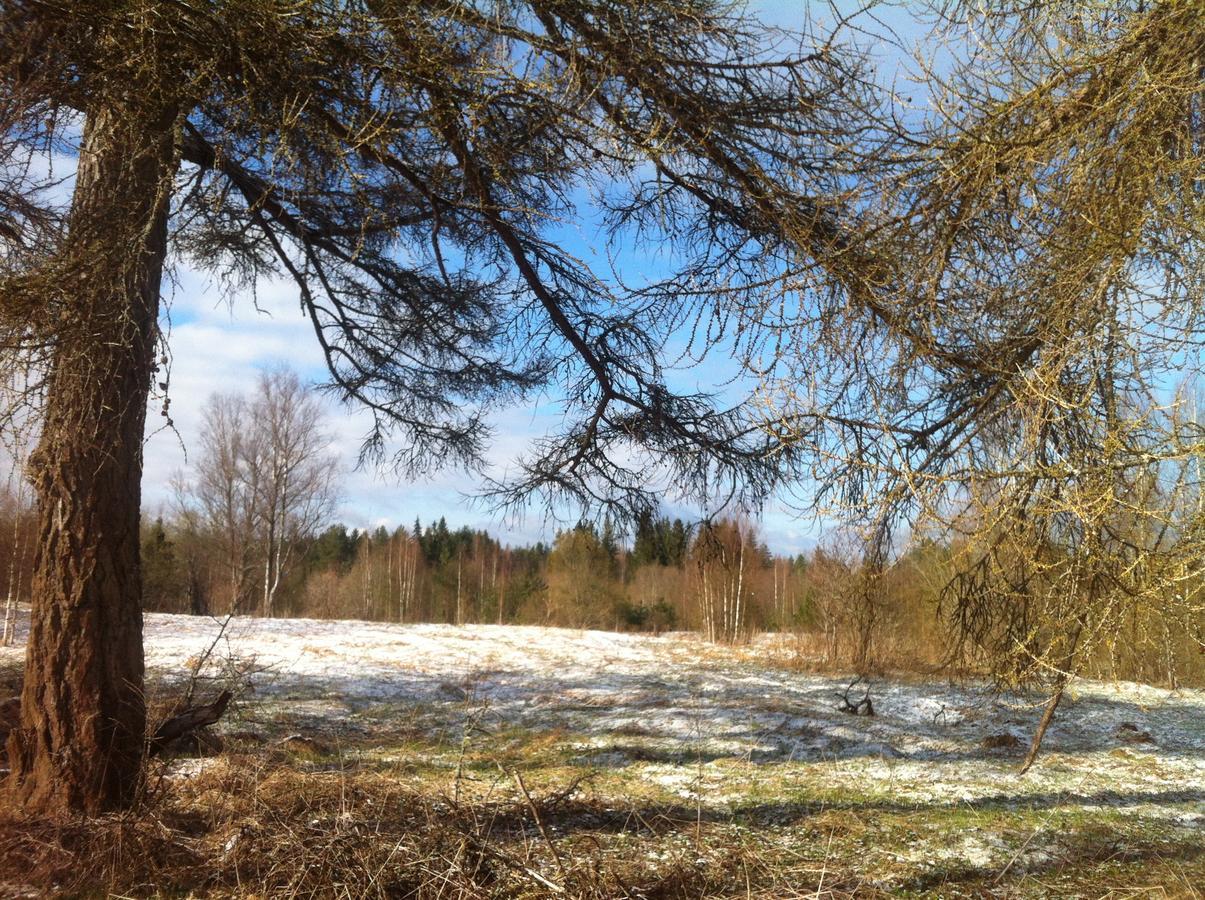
726 732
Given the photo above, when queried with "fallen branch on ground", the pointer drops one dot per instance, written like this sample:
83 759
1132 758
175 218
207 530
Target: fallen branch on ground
861 707
188 721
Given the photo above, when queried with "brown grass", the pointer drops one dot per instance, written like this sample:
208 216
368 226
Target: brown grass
259 825
273 818
246 827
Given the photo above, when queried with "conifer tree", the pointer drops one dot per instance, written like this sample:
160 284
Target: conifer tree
405 164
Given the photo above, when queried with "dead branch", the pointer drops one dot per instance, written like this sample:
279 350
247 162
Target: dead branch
862 707
188 721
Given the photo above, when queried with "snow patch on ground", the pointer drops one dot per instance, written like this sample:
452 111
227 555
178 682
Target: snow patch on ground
666 708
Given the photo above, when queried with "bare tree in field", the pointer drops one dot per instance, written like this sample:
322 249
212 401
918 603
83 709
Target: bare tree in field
264 480
406 165
220 499
291 473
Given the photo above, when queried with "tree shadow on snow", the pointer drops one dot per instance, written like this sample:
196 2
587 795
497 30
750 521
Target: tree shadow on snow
634 717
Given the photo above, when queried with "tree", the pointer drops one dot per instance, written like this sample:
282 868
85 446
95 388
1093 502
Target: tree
83 720
647 548
1094 156
292 470
725 554
333 549
219 502
16 535
1013 389
162 585
313 141
582 589
265 481
659 541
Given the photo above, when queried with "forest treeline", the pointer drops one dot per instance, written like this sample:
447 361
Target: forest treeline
251 529
719 579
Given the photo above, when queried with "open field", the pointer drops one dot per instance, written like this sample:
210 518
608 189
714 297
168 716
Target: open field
375 760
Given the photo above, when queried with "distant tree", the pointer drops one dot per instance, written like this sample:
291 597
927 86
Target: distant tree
220 499
676 542
333 549
437 543
265 482
17 536
582 589
646 547
725 555
163 583
657 598
291 472
658 541
609 539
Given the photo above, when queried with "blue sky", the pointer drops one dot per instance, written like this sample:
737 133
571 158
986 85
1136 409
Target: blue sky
219 347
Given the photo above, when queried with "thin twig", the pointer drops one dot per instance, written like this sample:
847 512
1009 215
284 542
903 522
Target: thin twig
539 825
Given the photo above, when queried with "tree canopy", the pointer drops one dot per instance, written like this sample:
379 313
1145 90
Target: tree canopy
405 165
408 166
1028 393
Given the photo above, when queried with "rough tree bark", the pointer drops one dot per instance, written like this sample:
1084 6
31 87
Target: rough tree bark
81 738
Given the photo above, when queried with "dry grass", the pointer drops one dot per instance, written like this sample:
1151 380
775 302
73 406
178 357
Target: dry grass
476 810
272 823
245 826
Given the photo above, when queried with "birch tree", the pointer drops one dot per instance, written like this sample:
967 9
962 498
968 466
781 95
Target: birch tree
292 473
264 481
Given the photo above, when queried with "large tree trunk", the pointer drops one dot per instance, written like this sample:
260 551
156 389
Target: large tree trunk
81 739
